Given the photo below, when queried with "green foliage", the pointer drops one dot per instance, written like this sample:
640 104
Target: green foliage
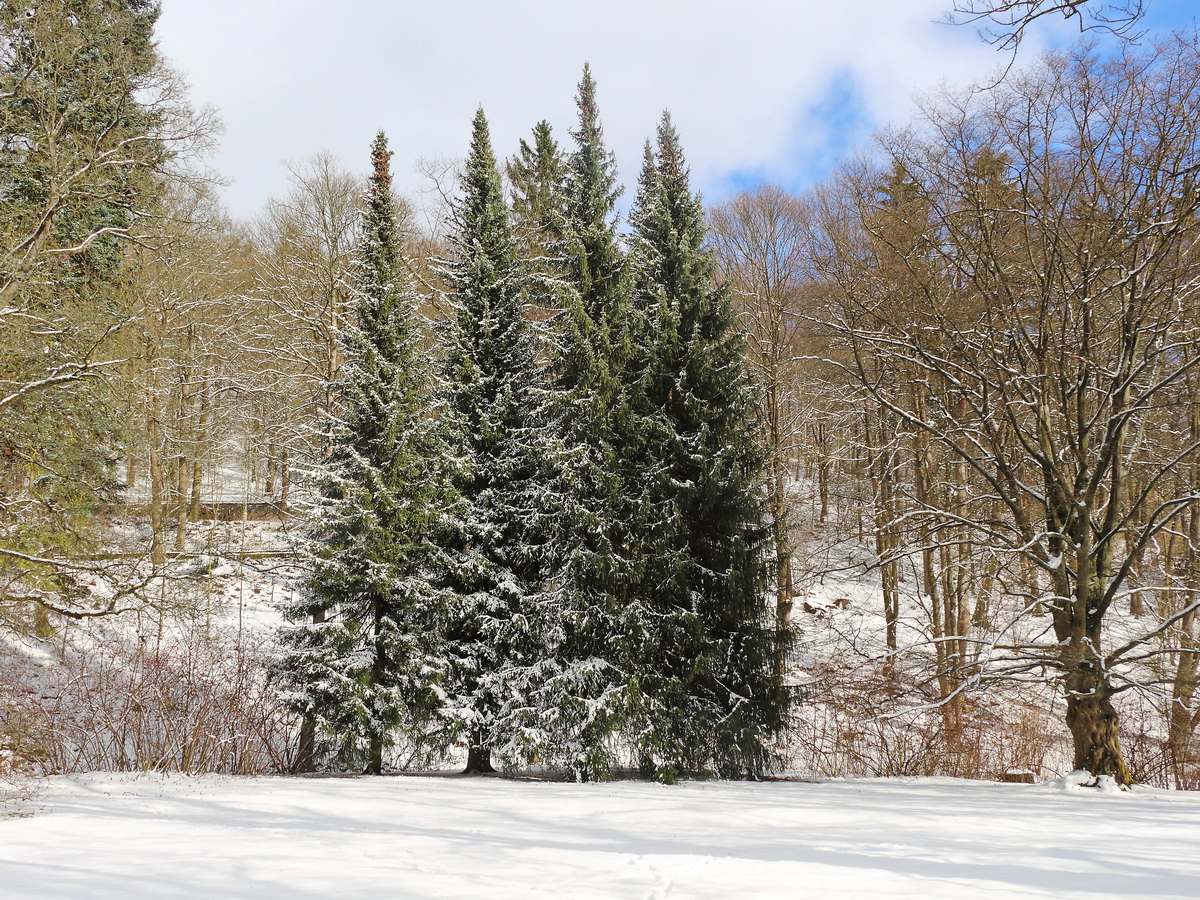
362 657
581 701
490 377
82 142
703 696
660 640
538 175
594 347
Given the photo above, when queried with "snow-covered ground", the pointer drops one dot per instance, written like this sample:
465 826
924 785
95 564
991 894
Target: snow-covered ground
121 836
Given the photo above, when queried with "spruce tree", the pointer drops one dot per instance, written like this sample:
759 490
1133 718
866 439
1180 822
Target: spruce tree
490 378
582 700
538 178
594 347
361 655
702 695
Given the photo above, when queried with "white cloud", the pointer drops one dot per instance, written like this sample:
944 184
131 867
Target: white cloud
742 79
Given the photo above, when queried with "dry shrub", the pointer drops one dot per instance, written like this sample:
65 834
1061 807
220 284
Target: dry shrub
1013 733
1151 758
855 722
1185 766
185 702
20 744
1146 753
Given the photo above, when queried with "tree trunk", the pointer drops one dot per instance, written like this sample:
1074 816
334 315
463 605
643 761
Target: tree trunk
1078 607
784 589
194 505
479 758
1181 720
780 526
285 478
158 491
306 748
181 508
375 755
822 472
201 440
306 760
880 466
1093 722
269 487
1091 718
889 566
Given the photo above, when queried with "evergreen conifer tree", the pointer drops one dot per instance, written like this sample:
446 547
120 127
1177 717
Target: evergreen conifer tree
367 665
490 377
538 178
582 700
701 694
594 348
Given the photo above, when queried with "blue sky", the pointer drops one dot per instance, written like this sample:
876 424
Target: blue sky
759 89
839 115
1167 15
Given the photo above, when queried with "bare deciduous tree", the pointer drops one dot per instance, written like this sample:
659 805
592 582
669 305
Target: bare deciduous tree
760 238
1047 332
305 241
1005 22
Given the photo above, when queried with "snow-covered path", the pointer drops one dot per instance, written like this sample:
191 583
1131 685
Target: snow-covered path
108 836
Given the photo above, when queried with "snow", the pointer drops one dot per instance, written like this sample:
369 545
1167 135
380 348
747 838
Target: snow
122 836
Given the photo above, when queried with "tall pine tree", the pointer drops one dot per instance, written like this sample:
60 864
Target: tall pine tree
538 178
594 347
702 694
583 701
361 655
491 643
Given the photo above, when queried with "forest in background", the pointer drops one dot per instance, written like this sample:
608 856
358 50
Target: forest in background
972 358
